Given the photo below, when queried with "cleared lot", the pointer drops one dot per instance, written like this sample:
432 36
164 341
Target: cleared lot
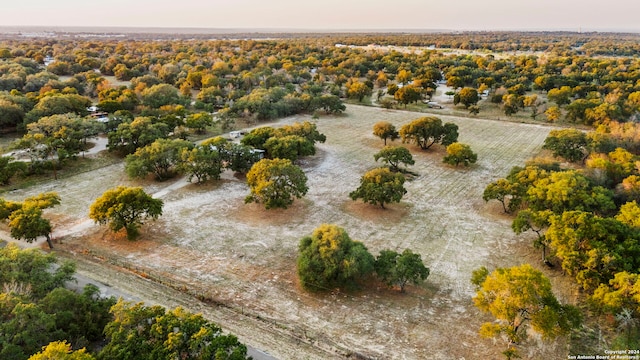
244 256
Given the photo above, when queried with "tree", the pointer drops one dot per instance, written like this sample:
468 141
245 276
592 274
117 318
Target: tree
25 219
289 147
357 90
9 168
400 269
458 153
159 158
407 94
159 95
34 269
428 130
512 103
146 333
521 297
125 207
535 221
560 96
534 103
330 259
553 114
239 158
622 298
142 131
385 130
569 190
257 137
275 183
591 248
61 350
503 191
629 214
467 97
199 122
394 156
571 144
306 129
203 162
380 186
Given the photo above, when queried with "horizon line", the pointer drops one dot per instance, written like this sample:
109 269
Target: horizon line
230 30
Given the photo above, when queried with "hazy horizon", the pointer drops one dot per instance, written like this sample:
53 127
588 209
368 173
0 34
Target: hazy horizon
330 15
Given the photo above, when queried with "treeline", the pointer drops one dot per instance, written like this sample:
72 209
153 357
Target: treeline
41 319
586 217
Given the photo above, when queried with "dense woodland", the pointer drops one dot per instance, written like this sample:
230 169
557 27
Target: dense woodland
161 95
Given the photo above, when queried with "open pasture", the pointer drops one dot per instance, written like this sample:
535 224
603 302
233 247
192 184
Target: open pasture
245 256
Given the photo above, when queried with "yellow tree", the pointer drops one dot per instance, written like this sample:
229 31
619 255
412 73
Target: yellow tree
521 299
125 207
275 183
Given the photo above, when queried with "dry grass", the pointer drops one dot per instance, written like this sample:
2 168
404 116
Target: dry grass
245 256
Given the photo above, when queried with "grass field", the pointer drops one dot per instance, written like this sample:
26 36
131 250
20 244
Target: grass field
245 256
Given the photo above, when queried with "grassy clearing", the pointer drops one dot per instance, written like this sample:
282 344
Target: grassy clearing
245 256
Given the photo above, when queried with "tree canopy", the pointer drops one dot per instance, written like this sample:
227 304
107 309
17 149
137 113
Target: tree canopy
329 259
521 297
427 131
125 208
276 183
380 186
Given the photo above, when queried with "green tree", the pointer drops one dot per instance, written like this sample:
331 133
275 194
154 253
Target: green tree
571 144
459 153
385 130
125 207
203 162
289 147
380 186
33 269
428 130
141 132
536 221
159 158
257 137
10 168
400 269
329 259
159 95
25 219
198 122
146 333
467 97
504 191
521 297
239 158
275 183
394 156
560 96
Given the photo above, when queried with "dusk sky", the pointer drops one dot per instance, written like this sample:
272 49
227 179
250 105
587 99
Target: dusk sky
574 15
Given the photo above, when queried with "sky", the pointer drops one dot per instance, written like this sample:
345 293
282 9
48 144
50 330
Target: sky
482 15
